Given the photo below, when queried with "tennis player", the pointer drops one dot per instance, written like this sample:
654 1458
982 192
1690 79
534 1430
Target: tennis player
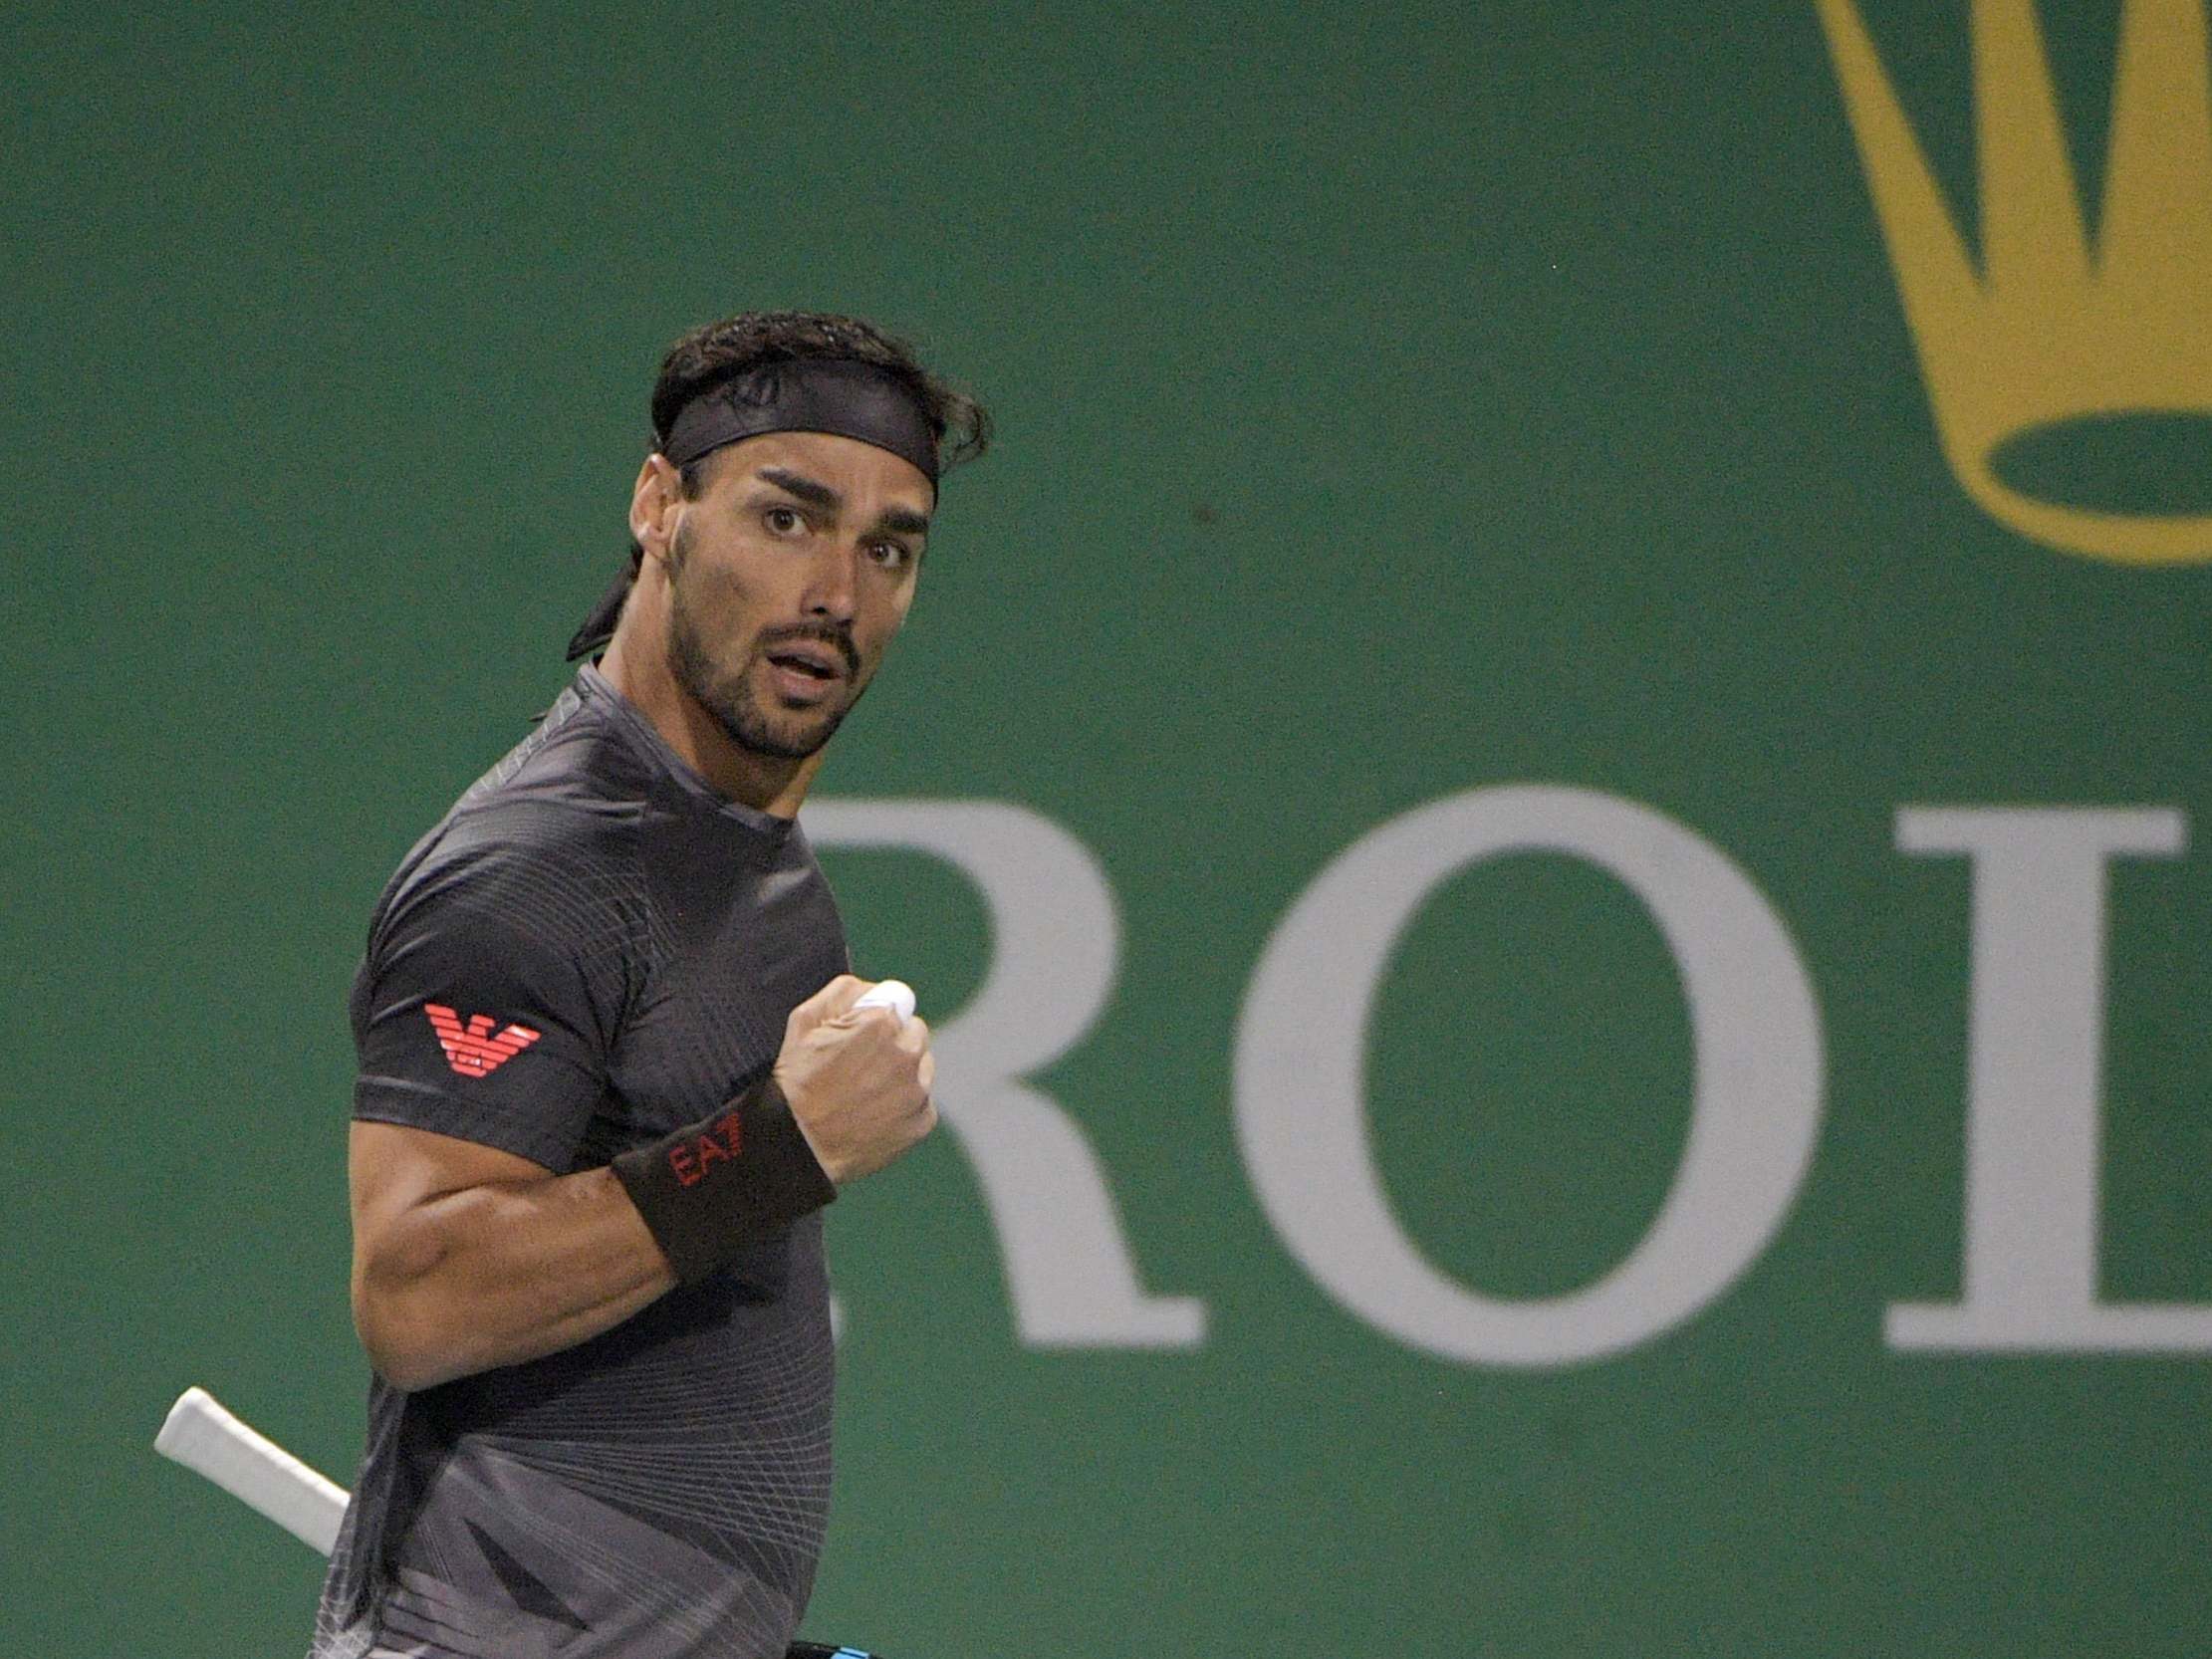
610 1067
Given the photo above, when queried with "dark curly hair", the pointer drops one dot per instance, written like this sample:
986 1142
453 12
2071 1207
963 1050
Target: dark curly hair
717 353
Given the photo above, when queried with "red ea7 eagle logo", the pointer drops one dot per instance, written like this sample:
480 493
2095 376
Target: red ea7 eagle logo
472 1049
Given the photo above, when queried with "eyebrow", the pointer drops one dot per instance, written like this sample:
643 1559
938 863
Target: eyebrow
904 519
807 490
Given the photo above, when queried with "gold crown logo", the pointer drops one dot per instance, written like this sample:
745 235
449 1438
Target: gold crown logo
2050 330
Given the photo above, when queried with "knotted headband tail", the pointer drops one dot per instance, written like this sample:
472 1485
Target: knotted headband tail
598 628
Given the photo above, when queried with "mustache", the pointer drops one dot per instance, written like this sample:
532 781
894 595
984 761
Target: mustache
822 634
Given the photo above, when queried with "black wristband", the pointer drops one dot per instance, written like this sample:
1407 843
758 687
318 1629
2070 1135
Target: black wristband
725 1183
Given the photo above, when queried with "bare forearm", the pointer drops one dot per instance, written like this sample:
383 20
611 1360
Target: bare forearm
498 1274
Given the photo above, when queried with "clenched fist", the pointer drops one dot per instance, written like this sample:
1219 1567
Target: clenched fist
858 1080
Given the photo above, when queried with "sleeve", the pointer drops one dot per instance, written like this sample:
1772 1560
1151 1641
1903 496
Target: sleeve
481 1009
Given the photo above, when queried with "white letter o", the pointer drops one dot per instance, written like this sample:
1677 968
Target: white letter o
1301 1062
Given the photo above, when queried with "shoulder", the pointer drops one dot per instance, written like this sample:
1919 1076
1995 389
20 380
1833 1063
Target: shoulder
502 853
545 843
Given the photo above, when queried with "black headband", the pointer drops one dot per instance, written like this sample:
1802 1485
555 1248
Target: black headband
811 394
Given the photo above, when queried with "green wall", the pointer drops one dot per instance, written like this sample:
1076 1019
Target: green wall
1395 405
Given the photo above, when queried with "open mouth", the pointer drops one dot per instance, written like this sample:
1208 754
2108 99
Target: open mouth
805 673
808 667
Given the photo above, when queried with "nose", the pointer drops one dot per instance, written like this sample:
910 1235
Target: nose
834 588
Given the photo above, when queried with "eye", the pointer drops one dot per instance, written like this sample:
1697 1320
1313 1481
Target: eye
893 556
783 521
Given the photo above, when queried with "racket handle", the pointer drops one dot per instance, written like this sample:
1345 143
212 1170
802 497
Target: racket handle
207 1439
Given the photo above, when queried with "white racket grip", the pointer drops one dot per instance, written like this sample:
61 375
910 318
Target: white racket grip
202 1435
894 994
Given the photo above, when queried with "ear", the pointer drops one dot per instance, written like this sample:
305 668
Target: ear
652 506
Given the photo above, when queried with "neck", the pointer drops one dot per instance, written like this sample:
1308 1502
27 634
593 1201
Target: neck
639 672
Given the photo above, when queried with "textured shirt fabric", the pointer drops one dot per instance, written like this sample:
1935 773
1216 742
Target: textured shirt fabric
592 949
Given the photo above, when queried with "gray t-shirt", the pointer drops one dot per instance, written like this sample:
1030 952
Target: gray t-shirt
592 949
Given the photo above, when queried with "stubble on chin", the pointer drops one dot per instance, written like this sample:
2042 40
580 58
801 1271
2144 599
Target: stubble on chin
732 702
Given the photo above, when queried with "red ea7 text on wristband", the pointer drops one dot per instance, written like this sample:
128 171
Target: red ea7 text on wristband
716 1187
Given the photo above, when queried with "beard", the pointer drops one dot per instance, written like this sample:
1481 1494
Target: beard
730 699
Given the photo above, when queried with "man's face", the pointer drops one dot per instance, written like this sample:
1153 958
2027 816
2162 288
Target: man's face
788 577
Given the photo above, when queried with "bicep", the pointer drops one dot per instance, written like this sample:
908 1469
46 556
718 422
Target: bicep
467 1256
393 1170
